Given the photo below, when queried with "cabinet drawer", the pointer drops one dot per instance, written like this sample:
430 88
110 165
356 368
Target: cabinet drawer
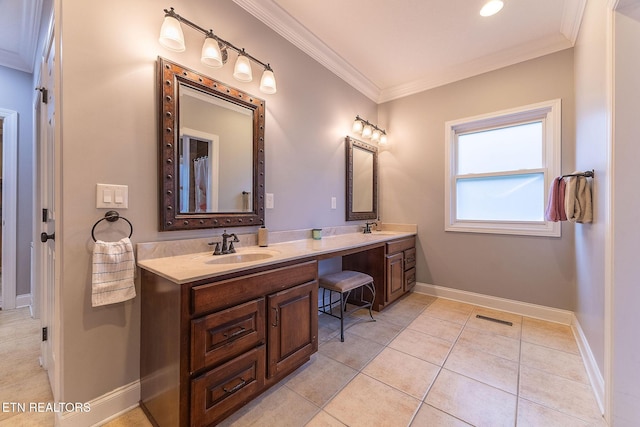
226 334
226 293
217 393
409 258
409 279
401 245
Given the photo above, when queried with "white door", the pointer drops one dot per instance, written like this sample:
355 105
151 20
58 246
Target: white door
47 213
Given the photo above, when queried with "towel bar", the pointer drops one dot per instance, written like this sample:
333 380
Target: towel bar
110 216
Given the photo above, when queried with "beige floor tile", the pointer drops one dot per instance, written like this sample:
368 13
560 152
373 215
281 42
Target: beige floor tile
449 310
569 397
29 419
379 331
484 367
355 352
531 414
422 346
419 298
402 371
320 379
400 313
134 417
279 406
428 416
436 327
472 401
549 334
322 419
556 362
358 404
498 345
514 331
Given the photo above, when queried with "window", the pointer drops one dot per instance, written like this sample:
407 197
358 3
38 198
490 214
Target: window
499 168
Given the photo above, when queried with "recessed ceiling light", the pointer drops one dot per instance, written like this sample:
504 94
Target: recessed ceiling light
491 7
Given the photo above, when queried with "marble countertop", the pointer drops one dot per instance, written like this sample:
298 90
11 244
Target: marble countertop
203 265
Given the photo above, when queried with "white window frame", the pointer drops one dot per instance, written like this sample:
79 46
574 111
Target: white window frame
550 113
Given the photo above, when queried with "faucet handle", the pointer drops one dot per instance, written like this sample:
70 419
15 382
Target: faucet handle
231 249
216 251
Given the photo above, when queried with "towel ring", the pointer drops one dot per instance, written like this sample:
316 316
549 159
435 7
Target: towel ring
111 216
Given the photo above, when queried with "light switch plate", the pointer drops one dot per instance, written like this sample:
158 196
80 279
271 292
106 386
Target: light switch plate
333 203
111 196
269 200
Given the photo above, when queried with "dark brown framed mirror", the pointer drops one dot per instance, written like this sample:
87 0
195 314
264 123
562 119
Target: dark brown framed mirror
212 160
362 180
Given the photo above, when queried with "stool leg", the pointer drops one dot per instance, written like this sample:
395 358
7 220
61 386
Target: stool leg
373 298
341 317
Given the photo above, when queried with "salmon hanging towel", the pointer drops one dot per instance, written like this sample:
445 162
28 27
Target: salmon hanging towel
113 271
556 205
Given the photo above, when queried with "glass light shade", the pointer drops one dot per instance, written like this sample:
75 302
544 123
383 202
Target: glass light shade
367 131
383 139
357 126
491 7
268 82
171 35
242 70
211 54
375 136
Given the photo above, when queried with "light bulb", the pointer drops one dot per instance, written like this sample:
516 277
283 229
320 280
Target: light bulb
211 54
491 7
242 70
383 139
171 35
357 126
367 131
375 136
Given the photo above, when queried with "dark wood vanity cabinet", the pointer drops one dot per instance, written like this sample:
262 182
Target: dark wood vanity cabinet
209 347
392 266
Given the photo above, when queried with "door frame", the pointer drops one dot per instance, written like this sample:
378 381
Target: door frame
9 206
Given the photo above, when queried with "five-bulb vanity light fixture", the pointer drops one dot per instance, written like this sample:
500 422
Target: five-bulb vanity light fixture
214 50
369 130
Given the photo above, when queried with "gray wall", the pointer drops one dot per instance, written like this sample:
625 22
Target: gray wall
17 94
108 119
626 235
592 152
538 270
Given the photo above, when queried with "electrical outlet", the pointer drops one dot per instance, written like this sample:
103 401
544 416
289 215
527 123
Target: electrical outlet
269 200
333 203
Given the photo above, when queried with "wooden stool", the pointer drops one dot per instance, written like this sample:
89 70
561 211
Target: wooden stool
343 283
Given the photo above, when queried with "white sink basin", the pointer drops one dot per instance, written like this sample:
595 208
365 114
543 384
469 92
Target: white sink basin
241 257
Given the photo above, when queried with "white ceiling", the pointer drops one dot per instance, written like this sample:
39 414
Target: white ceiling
19 27
392 48
384 48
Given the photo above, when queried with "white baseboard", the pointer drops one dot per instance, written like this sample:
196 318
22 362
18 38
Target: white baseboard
23 300
590 364
104 408
522 308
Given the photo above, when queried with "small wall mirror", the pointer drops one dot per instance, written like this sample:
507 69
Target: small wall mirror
211 152
362 180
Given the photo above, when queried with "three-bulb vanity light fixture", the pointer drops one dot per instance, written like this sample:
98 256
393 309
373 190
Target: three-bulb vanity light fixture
214 50
369 130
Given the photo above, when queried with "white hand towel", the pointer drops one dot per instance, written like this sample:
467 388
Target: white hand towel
113 270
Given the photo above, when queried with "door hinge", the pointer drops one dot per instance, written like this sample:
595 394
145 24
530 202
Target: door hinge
45 215
44 92
45 333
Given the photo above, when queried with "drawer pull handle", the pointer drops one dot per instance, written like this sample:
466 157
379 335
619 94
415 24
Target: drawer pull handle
235 334
235 387
276 319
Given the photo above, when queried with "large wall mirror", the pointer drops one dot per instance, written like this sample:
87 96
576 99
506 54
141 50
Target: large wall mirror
211 152
362 180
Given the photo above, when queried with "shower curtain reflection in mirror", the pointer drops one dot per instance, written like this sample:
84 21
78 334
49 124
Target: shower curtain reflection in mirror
199 181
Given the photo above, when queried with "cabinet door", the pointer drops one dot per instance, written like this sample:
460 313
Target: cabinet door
395 276
292 327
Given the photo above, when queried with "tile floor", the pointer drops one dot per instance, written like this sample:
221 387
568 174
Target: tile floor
428 362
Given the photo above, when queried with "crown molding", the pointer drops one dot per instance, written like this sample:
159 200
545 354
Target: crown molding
22 58
282 23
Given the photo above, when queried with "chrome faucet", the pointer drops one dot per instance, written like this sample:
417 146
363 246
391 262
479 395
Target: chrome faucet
227 245
367 227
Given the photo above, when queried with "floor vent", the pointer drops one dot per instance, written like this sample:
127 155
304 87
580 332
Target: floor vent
504 322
